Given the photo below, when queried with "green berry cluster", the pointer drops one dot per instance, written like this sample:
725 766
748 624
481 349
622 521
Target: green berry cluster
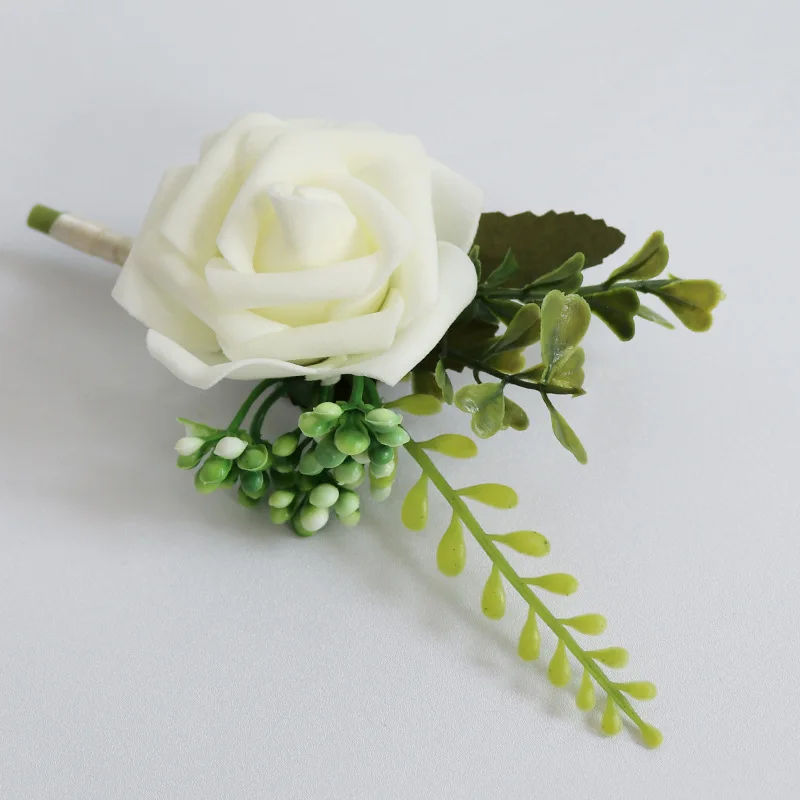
308 473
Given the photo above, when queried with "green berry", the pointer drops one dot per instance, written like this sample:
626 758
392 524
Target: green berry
348 503
381 470
253 484
324 495
396 437
254 459
352 437
361 458
279 515
351 519
348 472
281 498
313 425
230 479
215 470
190 461
328 454
312 519
285 445
309 465
245 499
380 453
204 488
383 419
380 493
328 411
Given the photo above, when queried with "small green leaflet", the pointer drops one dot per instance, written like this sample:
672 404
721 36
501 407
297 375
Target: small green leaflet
486 403
692 302
617 308
648 262
570 269
443 382
568 438
565 320
197 428
652 316
507 269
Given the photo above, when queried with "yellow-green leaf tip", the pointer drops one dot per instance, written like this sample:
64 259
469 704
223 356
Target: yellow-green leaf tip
652 737
42 218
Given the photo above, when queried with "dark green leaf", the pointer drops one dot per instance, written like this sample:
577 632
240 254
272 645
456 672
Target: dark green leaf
617 308
565 434
423 381
565 320
475 257
443 382
542 243
506 270
648 262
523 331
692 302
503 310
652 316
571 268
301 392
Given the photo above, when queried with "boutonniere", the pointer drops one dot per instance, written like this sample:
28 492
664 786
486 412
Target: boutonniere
324 262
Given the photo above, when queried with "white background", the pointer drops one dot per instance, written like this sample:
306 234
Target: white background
156 644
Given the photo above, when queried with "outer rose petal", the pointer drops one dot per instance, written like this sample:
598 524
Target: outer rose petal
457 205
141 298
457 287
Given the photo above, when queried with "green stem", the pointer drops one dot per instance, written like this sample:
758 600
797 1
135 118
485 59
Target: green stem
261 414
357 391
524 591
537 295
372 393
237 421
542 388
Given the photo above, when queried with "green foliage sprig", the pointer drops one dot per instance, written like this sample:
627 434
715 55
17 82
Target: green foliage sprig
527 297
530 292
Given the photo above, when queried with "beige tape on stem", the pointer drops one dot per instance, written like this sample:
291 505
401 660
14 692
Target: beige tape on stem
91 238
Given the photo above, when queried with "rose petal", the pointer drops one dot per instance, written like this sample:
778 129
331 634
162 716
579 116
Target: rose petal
137 293
195 217
295 156
405 181
347 279
457 286
203 374
457 205
240 290
325 339
313 227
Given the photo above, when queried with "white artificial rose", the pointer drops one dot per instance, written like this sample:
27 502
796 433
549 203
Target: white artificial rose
302 248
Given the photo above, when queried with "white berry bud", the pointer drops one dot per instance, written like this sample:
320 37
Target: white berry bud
189 445
230 447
